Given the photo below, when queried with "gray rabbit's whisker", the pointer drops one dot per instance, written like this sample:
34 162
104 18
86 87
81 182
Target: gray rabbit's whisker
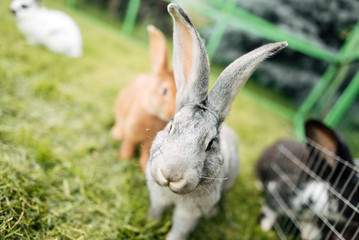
209 193
219 179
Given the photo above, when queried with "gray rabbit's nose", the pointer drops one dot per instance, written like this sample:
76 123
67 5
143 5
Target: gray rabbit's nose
169 176
175 182
161 179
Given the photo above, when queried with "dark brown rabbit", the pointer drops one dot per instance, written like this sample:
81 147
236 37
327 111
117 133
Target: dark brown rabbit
328 171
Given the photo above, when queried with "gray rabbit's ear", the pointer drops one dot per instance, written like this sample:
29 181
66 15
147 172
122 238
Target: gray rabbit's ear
190 60
158 50
233 78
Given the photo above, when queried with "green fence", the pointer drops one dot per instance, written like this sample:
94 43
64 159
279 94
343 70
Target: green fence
225 12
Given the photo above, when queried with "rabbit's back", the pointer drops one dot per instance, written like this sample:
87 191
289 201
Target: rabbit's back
134 119
53 29
273 155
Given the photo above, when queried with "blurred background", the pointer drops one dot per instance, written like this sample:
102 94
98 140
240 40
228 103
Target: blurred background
60 177
317 32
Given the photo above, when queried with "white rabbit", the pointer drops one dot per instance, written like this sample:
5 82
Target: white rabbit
51 28
195 158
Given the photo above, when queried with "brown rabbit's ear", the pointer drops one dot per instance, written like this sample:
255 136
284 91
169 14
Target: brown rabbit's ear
158 50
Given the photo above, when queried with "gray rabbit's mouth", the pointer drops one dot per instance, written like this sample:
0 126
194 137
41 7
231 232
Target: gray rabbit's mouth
181 185
180 188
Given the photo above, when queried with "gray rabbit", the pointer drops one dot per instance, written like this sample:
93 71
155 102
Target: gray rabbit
326 190
195 158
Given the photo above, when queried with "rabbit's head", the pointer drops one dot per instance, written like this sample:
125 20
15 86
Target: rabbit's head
187 152
334 164
22 7
161 101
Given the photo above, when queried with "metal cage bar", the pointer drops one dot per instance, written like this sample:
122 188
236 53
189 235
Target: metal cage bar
330 226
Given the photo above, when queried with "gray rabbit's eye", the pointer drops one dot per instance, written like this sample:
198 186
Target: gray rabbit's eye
24 6
209 146
170 128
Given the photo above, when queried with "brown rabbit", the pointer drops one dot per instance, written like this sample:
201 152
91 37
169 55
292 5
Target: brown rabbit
147 104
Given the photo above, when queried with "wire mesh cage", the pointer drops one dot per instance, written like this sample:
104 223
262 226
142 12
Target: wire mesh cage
314 194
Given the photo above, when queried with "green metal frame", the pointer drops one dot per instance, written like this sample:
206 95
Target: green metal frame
348 54
130 18
71 3
218 32
335 73
226 12
344 102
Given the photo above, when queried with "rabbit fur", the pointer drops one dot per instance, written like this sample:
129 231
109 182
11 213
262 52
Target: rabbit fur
312 195
195 158
53 29
147 104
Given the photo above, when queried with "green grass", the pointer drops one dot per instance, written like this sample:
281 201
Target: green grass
59 173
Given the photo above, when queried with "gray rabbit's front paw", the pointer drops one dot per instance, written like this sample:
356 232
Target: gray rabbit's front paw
175 236
213 212
156 212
